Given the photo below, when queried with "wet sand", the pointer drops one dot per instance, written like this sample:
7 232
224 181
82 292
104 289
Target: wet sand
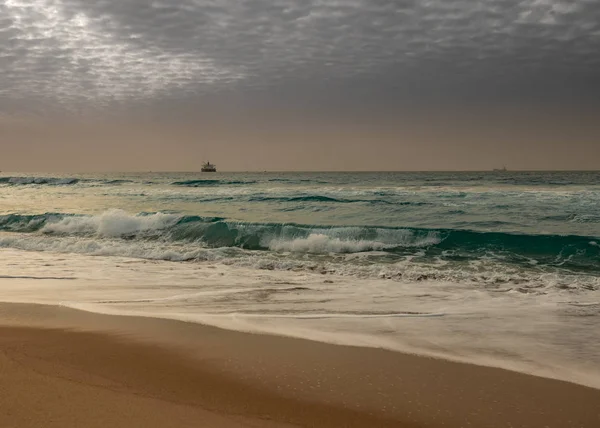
65 368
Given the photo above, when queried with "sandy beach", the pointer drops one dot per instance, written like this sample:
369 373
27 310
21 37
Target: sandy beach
65 368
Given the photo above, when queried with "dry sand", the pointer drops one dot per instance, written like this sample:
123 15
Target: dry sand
65 368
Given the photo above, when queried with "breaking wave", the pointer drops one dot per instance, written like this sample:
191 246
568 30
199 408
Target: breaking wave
577 253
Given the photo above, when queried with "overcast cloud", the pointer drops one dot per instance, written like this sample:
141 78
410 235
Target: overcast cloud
94 53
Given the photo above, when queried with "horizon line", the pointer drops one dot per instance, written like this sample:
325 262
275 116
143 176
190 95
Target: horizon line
299 171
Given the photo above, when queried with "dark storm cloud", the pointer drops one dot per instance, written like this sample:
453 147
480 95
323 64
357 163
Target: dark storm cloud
105 51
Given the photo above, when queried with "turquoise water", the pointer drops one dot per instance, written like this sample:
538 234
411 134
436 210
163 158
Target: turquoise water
528 223
498 268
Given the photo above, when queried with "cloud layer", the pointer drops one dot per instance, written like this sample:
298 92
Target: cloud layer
76 53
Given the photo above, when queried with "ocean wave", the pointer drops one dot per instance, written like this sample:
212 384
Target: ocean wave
578 253
541 179
118 181
148 250
113 224
584 218
217 232
493 275
27 223
297 180
329 199
208 183
60 181
321 243
56 181
305 198
293 198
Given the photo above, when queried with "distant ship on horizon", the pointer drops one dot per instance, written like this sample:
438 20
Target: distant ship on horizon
209 167
503 169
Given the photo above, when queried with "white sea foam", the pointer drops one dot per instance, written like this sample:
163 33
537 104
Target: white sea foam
323 244
348 240
479 273
113 223
105 247
536 334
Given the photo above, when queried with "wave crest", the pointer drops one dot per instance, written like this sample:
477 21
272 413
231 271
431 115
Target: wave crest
579 253
321 243
113 224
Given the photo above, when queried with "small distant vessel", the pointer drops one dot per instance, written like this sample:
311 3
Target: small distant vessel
209 167
503 169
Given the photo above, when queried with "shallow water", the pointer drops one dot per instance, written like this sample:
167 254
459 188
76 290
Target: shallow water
496 268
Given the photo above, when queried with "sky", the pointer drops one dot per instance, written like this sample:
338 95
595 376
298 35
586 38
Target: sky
132 85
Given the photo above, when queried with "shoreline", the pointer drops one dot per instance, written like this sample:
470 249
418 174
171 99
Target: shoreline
488 361
197 373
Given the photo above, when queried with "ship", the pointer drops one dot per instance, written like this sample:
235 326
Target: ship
209 167
503 169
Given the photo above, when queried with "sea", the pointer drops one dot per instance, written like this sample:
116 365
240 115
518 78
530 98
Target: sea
493 268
